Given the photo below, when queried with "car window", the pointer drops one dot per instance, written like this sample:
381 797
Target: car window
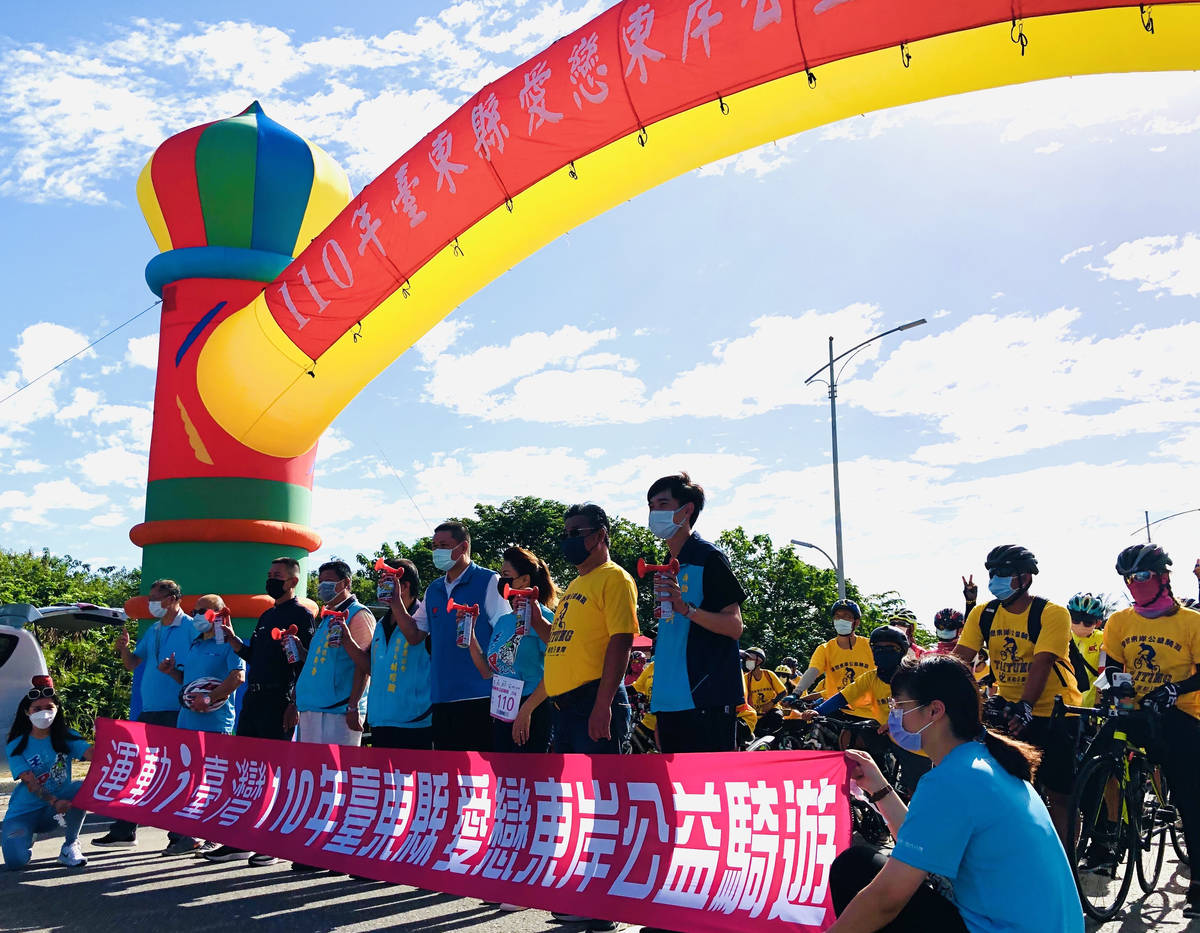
8 644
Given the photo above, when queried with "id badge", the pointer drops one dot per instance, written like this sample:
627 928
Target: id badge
506 697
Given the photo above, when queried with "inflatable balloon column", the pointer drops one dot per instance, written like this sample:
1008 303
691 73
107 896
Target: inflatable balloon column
229 204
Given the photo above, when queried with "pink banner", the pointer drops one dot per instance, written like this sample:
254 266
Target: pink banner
688 842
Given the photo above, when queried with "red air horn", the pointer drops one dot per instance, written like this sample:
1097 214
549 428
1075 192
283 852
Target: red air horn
333 634
386 590
526 614
665 612
465 625
288 637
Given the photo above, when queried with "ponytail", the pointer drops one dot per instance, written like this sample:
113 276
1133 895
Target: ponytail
538 571
1019 759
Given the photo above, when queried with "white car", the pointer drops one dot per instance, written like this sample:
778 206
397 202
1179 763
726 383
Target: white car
21 659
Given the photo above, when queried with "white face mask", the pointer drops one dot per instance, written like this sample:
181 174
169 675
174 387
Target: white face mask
750 664
42 718
662 523
157 609
842 626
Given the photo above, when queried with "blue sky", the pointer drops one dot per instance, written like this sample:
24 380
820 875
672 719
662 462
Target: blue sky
1048 232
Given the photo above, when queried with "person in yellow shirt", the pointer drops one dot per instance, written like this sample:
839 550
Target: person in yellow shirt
841 659
642 686
1157 642
764 690
1087 614
589 642
1027 639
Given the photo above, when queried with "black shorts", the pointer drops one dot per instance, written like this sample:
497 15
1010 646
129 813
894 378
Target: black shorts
710 729
464 726
1055 739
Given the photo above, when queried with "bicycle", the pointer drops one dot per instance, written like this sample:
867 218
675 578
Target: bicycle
1120 814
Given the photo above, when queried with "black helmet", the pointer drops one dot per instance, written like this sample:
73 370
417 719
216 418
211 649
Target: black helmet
1142 557
948 618
1010 557
889 635
846 604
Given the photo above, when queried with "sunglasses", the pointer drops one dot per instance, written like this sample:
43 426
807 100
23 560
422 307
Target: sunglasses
577 533
40 693
1141 576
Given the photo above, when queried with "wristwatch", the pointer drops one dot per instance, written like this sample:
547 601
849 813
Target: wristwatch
880 794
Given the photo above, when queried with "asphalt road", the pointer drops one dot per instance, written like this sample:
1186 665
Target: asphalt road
139 889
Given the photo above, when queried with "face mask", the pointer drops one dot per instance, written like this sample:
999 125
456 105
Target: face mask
42 718
886 663
326 590
843 627
1145 592
502 582
275 587
663 524
947 634
1151 599
157 609
201 623
909 741
1081 631
749 664
575 550
442 558
1001 588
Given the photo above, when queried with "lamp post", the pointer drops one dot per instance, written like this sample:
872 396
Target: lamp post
1155 522
832 383
809 544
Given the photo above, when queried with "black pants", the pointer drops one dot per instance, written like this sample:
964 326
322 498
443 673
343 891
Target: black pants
711 729
926 911
539 733
168 717
769 723
262 714
465 726
1178 750
396 737
573 710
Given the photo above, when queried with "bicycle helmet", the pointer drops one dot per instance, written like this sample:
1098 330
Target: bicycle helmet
904 617
762 655
1087 605
948 619
1010 560
1188 603
784 670
846 604
637 656
889 635
1142 557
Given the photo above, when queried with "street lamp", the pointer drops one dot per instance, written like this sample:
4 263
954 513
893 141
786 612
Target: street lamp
1155 522
832 562
840 565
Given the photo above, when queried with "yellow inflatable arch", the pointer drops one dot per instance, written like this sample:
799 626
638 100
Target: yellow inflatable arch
645 92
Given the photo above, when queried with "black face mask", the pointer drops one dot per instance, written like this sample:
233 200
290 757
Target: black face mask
275 587
887 663
502 583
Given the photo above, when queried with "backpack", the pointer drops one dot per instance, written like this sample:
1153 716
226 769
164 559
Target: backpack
1078 664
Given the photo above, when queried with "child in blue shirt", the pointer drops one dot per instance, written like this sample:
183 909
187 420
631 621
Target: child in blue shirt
41 749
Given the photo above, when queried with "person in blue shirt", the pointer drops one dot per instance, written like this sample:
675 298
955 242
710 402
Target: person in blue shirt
397 661
41 748
698 683
515 664
157 692
975 824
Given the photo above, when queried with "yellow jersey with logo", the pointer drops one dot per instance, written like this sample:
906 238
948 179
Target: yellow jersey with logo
762 687
643 685
1091 647
1156 651
876 691
842 666
596 606
1010 653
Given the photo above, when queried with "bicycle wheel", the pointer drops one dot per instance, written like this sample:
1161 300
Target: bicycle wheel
1149 819
1175 825
1099 850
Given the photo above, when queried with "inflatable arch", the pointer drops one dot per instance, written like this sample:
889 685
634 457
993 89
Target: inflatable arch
283 296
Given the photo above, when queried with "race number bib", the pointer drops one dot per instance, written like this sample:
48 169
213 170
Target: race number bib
506 697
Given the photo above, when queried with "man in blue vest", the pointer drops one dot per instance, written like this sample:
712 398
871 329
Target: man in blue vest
462 720
330 679
697 671
398 661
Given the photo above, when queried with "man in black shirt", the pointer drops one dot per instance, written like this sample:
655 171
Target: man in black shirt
268 705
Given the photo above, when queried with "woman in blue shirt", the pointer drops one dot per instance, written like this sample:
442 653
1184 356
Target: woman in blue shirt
515 664
975 824
41 749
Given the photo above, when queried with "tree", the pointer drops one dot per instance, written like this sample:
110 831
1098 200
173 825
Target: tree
88 675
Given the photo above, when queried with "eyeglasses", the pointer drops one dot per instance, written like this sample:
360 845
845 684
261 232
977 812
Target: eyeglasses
894 704
39 693
1140 576
577 533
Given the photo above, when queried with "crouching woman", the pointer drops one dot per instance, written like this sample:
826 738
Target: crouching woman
41 750
974 825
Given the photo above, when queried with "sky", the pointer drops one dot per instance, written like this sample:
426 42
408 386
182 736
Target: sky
1047 233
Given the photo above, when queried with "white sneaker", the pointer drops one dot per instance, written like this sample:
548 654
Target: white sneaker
512 908
71 856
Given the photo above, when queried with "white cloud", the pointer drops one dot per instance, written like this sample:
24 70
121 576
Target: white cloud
110 466
83 402
333 442
108 519
57 495
1159 263
1049 148
1075 252
39 347
143 351
29 466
